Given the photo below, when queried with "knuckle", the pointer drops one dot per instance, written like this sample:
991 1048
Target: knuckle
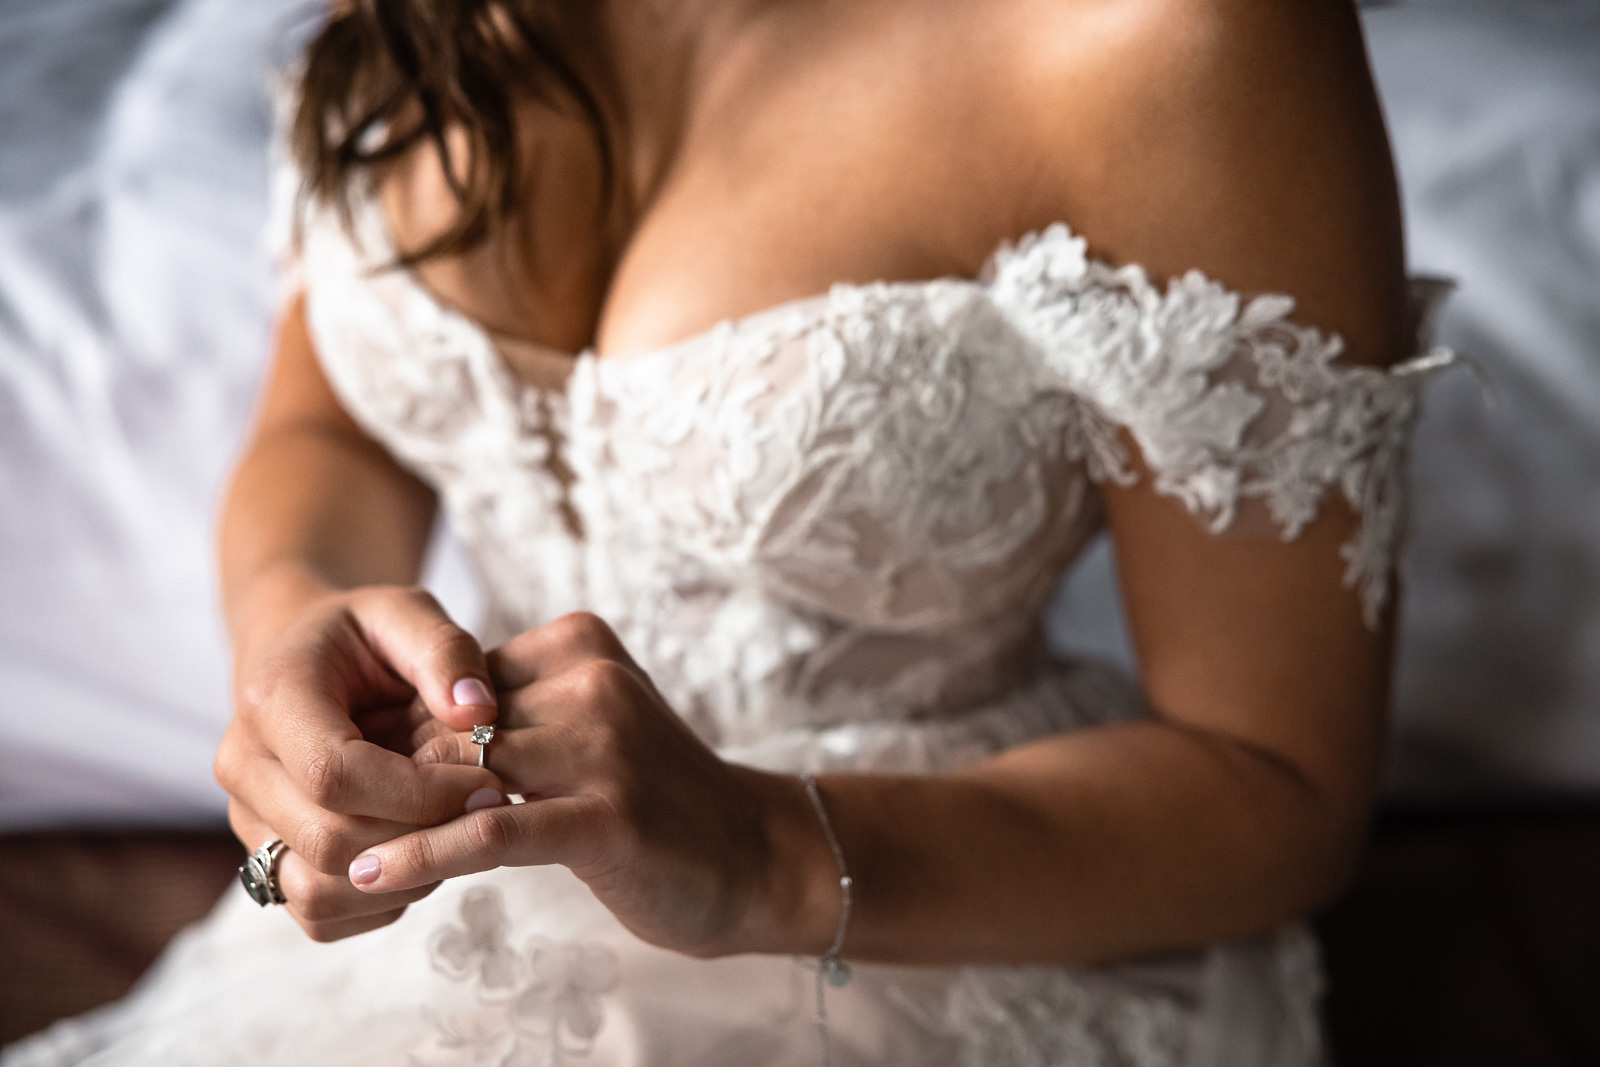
446 748
516 647
599 683
449 644
321 844
587 743
565 632
417 598
256 690
609 766
491 832
612 834
586 632
225 764
316 900
434 800
326 779
621 807
415 853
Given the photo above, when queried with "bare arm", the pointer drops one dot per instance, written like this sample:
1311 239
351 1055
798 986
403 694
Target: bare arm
1240 137
315 505
1255 152
341 666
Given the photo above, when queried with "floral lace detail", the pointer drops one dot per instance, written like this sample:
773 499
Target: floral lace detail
1063 1017
1050 1016
829 532
1299 973
1135 1015
857 509
548 995
1227 399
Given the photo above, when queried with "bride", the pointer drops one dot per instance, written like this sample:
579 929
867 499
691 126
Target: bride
753 349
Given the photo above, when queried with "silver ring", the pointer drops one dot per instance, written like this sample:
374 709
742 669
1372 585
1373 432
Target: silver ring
259 875
481 736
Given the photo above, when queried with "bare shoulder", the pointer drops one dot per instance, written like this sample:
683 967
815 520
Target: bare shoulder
1242 138
1239 137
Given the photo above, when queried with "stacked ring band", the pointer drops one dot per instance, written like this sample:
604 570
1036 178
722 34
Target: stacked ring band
259 875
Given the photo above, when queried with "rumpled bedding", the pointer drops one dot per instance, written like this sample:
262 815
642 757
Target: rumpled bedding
133 316
1495 113
135 303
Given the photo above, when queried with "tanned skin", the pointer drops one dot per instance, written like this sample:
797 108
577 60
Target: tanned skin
769 149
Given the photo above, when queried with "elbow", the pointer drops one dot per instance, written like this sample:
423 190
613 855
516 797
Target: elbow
1342 844
1323 848
1315 846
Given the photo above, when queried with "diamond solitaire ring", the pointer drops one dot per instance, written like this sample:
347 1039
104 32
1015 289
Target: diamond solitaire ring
481 736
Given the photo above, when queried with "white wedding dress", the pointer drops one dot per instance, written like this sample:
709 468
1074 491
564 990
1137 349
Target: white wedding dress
829 531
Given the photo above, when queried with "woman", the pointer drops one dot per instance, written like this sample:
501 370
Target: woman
746 346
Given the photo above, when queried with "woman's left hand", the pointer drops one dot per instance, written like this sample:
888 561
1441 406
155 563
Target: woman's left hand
673 840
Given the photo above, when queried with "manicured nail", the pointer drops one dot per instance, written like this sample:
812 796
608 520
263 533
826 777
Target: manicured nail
484 798
472 691
365 870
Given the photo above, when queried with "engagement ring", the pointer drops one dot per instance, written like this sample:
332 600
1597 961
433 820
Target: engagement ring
481 736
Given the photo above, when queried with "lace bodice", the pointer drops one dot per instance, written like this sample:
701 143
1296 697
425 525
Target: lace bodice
828 531
855 506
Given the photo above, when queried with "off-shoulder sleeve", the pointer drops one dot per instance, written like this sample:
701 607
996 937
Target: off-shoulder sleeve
1243 415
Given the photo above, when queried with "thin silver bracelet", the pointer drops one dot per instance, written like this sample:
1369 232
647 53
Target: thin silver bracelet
832 970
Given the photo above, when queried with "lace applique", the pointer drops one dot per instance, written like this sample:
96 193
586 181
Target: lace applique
1049 1016
856 509
1299 976
546 998
1226 398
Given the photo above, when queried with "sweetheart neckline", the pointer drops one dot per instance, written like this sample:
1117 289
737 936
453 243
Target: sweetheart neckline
376 235
1427 291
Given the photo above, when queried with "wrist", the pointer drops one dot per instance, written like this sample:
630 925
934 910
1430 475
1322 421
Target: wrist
269 602
795 903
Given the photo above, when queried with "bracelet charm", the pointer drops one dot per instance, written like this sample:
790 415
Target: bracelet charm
832 970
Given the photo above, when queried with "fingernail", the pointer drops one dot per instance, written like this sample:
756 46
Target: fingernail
472 691
482 798
365 870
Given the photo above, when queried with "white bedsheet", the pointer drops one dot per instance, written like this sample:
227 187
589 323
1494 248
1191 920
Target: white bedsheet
135 296
131 331
1495 109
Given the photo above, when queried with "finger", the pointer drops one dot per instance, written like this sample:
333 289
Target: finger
312 897
352 776
575 831
325 840
327 837
414 636
549 760
554 737
316 899
298 713
402 728
553 648
302 704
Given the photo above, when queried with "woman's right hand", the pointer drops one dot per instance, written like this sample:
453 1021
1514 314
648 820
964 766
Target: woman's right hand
327 713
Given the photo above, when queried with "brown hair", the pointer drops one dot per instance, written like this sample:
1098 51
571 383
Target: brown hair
382 76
